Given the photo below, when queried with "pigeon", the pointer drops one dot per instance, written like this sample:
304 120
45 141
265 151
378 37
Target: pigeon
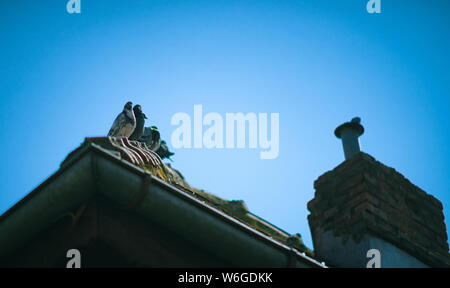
152 138
140 121
125 122
164 152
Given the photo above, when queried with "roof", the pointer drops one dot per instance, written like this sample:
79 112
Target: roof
104 157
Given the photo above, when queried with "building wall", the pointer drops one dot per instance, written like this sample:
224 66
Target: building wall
345 252
109 236
392 256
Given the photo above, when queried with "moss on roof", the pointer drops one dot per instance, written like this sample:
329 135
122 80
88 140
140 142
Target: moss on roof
234 208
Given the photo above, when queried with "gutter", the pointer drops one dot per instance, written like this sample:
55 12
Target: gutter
96 170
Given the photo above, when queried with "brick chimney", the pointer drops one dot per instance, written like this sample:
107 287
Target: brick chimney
362 205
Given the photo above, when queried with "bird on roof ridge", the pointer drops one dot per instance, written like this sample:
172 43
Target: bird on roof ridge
140 121
151 138
125 122
164 152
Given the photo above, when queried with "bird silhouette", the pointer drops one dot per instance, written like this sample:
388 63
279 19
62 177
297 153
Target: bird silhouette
124 123
140 121
164 152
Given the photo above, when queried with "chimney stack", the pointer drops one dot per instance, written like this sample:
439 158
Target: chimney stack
349 132
362 205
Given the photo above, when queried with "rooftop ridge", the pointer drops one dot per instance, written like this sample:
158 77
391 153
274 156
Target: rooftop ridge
141 156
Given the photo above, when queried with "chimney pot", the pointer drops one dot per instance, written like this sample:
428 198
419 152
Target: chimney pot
349 132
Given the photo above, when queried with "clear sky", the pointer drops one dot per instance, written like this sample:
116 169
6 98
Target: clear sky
317 63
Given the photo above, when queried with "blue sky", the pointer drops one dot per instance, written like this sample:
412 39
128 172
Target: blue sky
317 63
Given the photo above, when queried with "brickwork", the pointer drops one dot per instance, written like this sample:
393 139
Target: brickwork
362 195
